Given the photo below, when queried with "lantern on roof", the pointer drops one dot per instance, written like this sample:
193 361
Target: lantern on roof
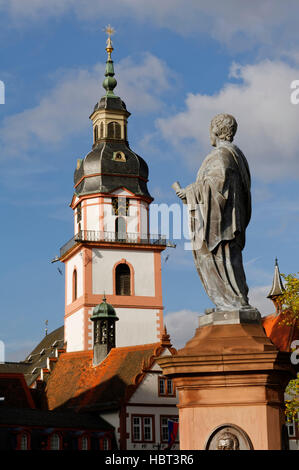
104 318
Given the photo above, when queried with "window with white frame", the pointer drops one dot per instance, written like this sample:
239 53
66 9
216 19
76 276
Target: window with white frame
169 385
142 429
55 442
24 442
106 444
148 428
137 429
84 443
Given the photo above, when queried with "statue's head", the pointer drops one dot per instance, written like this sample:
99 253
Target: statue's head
228 441
223 127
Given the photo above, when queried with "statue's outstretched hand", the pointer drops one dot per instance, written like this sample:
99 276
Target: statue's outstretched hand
181 193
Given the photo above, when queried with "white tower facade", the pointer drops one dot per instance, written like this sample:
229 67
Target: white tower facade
112 252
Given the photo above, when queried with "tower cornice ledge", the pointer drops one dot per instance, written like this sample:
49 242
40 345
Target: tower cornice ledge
93 238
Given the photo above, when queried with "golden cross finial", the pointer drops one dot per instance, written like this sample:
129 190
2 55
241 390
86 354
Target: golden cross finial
110 31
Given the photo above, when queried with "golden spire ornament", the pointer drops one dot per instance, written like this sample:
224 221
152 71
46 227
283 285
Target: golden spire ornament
110 82
110 31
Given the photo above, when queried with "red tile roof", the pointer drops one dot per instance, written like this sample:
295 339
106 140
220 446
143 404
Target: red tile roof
76 383
279 332
15 391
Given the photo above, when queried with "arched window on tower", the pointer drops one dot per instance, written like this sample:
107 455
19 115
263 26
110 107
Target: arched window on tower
114 130
120 228
95 133
102 130
75 285
123 279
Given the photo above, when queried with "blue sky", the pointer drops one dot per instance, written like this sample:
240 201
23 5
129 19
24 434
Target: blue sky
178 63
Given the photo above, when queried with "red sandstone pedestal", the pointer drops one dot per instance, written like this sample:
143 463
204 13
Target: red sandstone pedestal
230 377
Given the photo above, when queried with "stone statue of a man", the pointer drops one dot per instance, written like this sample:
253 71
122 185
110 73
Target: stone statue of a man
219 204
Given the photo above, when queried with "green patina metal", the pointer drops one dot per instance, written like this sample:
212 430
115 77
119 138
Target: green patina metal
104 311
109 82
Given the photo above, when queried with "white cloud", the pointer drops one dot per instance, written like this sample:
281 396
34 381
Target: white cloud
256 272
237 23
181 326
268 122
18 350
64 111
258 299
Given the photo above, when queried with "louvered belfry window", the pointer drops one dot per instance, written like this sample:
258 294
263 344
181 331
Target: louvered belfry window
114 130
123 279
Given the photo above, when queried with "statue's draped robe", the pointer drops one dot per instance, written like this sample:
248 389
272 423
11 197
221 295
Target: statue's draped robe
219 204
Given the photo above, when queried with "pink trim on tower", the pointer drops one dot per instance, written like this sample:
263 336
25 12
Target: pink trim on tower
160 325
118 301
73 205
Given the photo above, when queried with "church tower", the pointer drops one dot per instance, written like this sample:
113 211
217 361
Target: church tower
112 253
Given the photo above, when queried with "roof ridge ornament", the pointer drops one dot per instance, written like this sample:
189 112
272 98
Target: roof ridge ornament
165 339
110 31
277 289
277 285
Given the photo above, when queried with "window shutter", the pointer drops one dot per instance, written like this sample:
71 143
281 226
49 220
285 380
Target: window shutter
123 280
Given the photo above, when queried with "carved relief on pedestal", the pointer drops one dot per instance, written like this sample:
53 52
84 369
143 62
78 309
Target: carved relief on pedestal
228 437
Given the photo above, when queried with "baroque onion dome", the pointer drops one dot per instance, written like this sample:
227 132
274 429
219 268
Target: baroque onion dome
111 164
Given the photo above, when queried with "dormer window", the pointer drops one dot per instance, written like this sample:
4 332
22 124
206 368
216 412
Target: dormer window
114 130
165 387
